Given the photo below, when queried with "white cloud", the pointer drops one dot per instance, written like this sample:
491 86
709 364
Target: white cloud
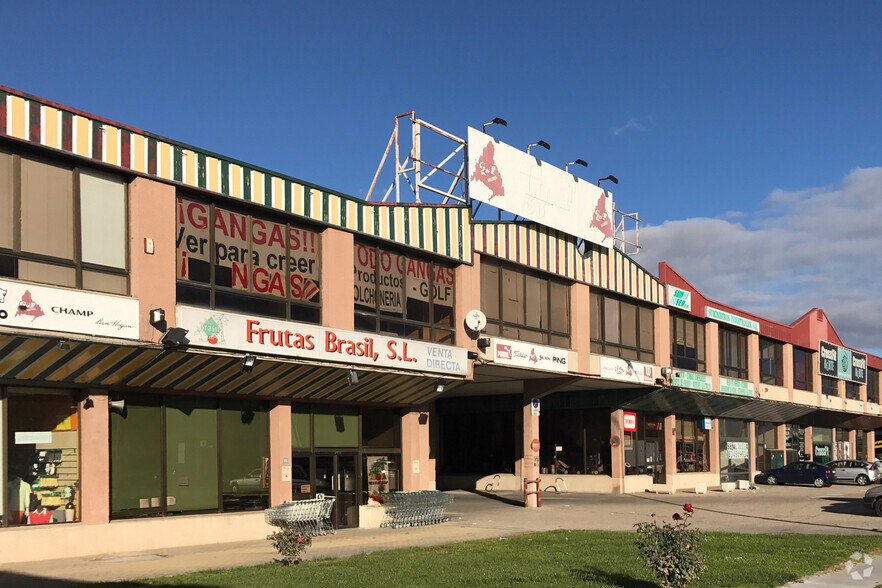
817 247
632 125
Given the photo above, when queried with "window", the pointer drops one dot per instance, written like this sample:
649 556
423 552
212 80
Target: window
692 446
829 386
794 439
238 262
620 328
768 455
525 306
733 354
176 454
853 390
401 296
62 225
643 447
771 362
802 369
687 343
873 386
574 442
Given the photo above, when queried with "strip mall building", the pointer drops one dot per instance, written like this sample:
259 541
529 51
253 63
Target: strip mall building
186 339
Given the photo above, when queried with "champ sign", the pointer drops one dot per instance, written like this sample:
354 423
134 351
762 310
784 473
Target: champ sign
511 180
233 331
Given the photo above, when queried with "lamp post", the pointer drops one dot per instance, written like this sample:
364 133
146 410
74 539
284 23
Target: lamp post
495 121
581 162
540 143
613 179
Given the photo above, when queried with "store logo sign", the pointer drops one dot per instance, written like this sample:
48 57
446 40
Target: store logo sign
629 421
679 298
503 351
731 319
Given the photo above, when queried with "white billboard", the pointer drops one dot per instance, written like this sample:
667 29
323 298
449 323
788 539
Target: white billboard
516 182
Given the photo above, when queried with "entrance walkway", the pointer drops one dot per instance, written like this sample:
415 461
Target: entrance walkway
788 509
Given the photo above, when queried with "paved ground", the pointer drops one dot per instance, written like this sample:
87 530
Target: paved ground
788 509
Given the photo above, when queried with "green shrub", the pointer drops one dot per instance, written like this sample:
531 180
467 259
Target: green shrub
671 550
290 543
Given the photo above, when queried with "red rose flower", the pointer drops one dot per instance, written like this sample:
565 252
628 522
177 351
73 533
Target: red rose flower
677 516
300 540
687 507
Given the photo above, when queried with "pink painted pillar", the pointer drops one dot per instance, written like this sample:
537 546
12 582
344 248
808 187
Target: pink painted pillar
714 446
417 466
751 452
662 336
617 429
871 448
753 363
788 372
781 437
530 460
670 448
94 423
712 352
467 297
280 453
809 444
580 326
338 279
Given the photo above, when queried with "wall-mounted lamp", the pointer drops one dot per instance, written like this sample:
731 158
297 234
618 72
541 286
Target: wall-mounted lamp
352 376
88 403
495 121
157 318
472 354
483 343
117 406
540 143
439 386
63 345
248 363
612 179
174 337
581 162
667 371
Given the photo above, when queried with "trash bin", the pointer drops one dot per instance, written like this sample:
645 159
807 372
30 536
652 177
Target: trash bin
658 474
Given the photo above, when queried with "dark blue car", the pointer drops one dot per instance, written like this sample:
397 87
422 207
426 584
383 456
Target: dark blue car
803 472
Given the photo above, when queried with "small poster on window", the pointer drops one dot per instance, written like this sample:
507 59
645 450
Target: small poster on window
377 477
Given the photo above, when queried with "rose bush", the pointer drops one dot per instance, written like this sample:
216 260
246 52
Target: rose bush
671 550
290 543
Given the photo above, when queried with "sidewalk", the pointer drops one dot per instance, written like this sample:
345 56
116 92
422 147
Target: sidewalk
768 510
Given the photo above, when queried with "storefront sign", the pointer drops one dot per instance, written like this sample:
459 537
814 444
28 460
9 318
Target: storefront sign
378 477
737 450
528 355
841 363
694 380
679 298
739 387
534 407
707 424
227 330
32 437
629 421
731 319
26 306
626 370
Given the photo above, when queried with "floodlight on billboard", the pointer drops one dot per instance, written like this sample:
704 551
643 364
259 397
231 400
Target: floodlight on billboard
516 182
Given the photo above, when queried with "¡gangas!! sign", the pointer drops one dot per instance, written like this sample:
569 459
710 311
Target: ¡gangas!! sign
227 330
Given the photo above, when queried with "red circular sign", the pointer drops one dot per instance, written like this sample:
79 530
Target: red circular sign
534 445
614 440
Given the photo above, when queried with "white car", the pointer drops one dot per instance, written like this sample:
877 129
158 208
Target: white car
853 470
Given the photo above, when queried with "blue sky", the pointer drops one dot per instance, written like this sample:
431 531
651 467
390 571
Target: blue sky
730 112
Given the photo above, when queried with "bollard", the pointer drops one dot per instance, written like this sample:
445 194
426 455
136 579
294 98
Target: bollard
537 491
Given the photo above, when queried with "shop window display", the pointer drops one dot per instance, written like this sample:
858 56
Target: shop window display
574 442
692 446
644 449
794 439
734 450
822 444
42 472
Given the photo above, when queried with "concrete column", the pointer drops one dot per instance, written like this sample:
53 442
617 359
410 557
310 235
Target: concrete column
788 370
417 467
852 443
617 466
840 388
816 379
870 449
751 440
807 441
467 297
714 447
280 453
152 207
781 440
669 442
529 463
338 279
580 326
662 336
753 361
712 353
94 423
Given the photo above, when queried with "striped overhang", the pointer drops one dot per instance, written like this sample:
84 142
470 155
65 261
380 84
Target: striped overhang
440 229
141 367
557 253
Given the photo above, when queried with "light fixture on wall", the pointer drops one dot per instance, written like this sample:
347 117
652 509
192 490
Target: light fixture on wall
174 337
495 121
439 386
581 162
352 376
612 179
63 345
540 143
248 363
157 319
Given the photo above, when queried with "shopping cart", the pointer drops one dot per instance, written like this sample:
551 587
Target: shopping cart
412 509
308 517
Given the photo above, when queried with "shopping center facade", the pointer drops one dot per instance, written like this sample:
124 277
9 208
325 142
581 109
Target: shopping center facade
186 339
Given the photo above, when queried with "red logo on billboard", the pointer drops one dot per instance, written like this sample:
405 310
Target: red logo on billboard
486 172
601 220
629 421
27 307
533 357
503 351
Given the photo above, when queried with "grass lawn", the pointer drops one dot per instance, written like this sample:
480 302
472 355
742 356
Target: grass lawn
556 558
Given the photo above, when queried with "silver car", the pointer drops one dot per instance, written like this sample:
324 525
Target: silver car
853 470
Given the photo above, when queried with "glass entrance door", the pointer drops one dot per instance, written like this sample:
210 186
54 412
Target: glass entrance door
337 475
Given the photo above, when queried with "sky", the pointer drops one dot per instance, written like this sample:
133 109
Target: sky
744 134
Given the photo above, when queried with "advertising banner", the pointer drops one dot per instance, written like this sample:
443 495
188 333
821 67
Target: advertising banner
679 298
739 387
26 306
841 363
694 380
626 370
731 319
521 354
512 180
378 477
238 332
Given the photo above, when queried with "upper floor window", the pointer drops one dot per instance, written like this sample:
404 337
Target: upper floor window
62 225
402 296
829 386
802 369
853 390
525 306
873 386
238 262
733 354
687 343
621 328
771 362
